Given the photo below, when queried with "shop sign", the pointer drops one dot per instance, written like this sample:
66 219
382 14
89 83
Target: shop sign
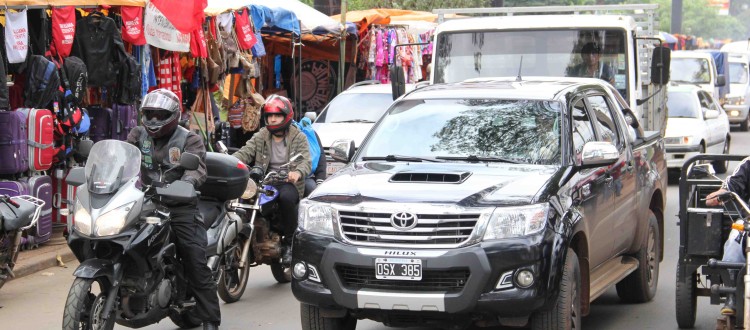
161 33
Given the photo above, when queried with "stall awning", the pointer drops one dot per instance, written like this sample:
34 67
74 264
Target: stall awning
79 3
309 18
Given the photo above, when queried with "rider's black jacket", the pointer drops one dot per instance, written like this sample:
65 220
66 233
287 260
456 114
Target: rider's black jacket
739 181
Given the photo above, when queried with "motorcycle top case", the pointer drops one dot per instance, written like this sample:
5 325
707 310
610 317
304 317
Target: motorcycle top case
41 132
226 177
14 149
40 186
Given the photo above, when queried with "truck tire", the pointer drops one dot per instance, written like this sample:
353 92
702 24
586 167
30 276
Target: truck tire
566 313
640 285
686 299
312 320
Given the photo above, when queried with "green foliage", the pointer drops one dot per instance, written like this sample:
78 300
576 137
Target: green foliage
699 19
426 5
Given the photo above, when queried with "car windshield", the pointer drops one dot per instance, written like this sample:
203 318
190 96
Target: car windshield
548 53
520 131
356 107
738 73
110 164
682 105
690 70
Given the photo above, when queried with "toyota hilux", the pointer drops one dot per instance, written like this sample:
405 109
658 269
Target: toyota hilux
488 202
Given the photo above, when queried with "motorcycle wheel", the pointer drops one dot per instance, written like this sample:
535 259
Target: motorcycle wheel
84 306
232 278
185 320
280 273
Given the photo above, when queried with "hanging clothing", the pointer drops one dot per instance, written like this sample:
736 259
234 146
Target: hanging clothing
63 30
16 36
170 73
132 29
99 44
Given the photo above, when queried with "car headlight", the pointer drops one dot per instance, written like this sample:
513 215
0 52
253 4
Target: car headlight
317 217
507 222
250 190
736 100
81 219
111 223
681 140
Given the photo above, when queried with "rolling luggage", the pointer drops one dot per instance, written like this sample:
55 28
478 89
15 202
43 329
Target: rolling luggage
63 196
101 123
124 118
40 186
41 134
14 152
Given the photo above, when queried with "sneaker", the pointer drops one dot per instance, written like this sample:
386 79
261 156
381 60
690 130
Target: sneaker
728 308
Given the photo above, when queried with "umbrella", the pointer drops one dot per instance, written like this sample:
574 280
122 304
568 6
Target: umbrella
668 38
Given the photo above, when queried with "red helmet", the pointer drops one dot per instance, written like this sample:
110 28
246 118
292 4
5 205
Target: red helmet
276 104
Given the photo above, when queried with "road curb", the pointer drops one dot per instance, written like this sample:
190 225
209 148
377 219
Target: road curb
43 260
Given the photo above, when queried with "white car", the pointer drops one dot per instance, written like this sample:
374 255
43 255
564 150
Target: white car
696 124
351 115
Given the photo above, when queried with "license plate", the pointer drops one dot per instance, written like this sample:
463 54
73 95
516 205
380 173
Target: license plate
398 269
332 167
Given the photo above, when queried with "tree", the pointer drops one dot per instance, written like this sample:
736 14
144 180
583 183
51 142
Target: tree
699 19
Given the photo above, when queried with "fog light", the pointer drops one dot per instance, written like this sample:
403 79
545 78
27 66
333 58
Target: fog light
300 270
524 278
313 273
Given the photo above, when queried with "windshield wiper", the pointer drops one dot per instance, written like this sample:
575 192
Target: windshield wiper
476 159
399 158
364 121
686 82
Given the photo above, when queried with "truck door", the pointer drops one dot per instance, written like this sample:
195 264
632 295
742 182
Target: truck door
594 191
624 214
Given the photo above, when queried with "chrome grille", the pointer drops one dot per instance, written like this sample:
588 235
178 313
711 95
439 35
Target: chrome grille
431 229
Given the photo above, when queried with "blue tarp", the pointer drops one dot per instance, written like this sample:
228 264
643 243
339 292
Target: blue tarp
722 67
274 19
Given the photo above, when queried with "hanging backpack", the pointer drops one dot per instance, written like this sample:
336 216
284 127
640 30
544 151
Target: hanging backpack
305 126
75 78
42 82
129 81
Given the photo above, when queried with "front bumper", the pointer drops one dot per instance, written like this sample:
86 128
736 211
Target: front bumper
486 263
677 154
737 113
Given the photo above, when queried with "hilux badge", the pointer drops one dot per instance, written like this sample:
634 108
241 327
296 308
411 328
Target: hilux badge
403 220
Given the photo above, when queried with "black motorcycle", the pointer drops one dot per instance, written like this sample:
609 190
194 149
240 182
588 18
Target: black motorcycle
16 215
130 272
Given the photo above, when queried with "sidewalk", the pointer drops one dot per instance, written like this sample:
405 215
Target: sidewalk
43 257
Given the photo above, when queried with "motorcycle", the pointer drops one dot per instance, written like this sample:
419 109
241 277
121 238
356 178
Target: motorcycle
260 201
17 214
130 272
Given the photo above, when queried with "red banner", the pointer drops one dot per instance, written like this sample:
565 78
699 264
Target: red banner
185 15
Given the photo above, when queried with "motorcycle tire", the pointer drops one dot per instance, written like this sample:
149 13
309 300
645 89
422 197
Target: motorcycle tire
232 279
280 273
185 320
82 307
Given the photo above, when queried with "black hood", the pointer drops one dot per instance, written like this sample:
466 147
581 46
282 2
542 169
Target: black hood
467 184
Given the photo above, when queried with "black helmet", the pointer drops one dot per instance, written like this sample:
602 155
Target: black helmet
160 112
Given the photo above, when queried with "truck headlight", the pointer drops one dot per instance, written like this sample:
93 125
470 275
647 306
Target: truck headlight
507 222
82 219
317 217
111 223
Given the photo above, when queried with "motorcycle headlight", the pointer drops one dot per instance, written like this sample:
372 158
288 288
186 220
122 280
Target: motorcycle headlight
316 217
81 219
507 222
250 190
111 223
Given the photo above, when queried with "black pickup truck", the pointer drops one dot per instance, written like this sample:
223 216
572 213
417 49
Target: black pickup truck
487 202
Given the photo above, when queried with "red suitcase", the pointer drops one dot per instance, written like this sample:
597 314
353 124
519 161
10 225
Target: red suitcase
63 197
41 129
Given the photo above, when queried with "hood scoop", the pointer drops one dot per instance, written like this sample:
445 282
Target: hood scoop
426 177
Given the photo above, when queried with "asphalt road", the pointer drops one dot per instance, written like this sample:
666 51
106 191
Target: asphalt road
37 301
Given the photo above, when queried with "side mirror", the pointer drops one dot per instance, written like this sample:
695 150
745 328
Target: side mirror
342 150
710 114
189 161
398 81
76 176
721 80
84 148
660 64
630 118
312 115
596 153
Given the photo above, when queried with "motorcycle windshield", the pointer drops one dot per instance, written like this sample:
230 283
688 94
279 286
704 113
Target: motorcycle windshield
111 163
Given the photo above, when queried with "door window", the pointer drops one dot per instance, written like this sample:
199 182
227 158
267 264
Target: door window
583 130
604 121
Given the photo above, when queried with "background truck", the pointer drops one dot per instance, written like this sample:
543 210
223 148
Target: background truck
547 41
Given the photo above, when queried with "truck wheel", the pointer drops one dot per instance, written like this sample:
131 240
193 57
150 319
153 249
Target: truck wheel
640 285
312 320
686 299
566 313
721 167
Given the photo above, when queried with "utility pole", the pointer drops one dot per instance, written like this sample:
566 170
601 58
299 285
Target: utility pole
676 17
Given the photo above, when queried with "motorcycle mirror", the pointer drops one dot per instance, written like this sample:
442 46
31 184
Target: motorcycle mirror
189 161
84 148
220 147
76 177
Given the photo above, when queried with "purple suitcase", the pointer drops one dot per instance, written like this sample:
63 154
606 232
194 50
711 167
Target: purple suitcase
124 118
101 123
40 186
14 151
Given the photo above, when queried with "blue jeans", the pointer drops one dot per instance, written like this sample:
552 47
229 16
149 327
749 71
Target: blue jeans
732 249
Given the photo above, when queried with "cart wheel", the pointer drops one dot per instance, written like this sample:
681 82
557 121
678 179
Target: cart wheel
686 299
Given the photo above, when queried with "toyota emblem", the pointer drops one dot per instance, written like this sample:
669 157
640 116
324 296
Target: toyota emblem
403 220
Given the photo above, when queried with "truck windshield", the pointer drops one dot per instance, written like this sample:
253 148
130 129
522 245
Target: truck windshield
690 70
738 73
599 53
520 131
